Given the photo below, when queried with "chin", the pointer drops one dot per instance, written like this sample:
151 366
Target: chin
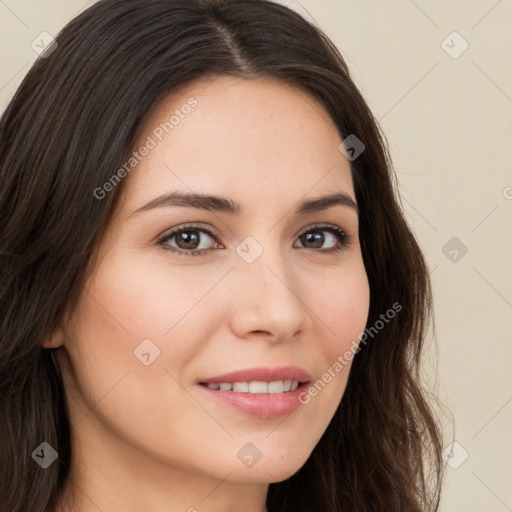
270 470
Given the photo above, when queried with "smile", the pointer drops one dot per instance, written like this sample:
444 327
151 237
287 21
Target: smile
255 387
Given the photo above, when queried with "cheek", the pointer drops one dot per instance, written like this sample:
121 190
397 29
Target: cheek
108 380
147 299
127 303
343 303
341 306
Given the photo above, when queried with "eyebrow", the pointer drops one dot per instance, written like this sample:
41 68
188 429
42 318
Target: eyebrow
231 207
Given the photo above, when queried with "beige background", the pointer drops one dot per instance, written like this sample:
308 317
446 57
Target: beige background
448 120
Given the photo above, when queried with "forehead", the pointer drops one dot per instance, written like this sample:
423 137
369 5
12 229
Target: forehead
230 136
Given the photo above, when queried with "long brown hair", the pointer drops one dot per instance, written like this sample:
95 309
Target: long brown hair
73 122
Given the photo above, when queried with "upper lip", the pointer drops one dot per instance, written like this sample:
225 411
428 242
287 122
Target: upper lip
261 373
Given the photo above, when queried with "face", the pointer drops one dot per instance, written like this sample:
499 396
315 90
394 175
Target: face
181 295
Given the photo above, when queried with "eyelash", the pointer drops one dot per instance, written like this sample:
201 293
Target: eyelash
343 237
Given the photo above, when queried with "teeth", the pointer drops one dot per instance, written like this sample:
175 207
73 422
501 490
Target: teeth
256 387
276 387
241 387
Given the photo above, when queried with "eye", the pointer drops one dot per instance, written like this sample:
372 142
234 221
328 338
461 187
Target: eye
189 239
313 235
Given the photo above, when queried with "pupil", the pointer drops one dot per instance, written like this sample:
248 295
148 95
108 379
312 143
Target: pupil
315 238
194 239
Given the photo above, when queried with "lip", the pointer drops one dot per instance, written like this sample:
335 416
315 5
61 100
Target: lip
261 405
261 373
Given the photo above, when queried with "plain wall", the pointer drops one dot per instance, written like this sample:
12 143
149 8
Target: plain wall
448 120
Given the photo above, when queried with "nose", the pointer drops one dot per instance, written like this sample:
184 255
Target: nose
267 299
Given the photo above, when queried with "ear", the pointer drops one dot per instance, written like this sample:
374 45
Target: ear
58 336
55 340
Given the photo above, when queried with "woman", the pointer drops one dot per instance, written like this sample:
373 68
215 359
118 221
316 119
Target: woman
279 371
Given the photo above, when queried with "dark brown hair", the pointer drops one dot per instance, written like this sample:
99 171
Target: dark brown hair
73 122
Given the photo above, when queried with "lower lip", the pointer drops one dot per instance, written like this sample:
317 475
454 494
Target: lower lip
261 405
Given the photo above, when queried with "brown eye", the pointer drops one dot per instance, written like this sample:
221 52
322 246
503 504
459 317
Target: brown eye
188 240
314 238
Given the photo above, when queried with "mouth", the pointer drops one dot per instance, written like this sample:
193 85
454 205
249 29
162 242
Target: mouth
263 392
256 387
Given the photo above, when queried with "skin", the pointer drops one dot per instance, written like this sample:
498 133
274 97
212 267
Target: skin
147 437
